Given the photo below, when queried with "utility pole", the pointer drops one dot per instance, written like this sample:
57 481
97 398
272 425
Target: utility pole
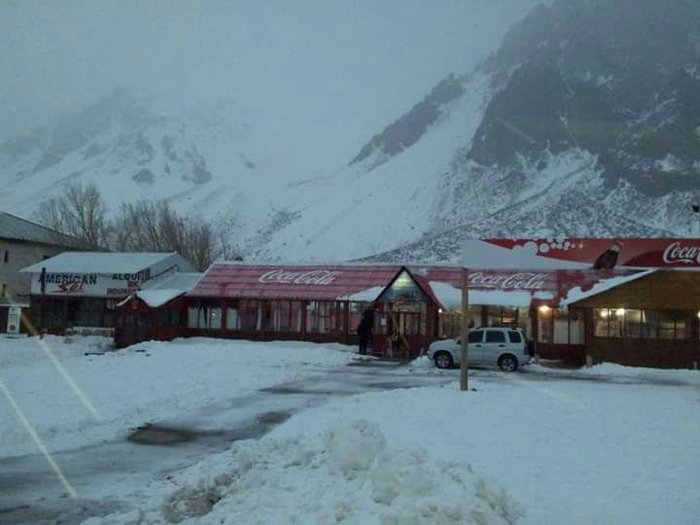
696 221
464 350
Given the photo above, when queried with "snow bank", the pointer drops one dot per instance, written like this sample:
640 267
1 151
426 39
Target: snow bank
348 474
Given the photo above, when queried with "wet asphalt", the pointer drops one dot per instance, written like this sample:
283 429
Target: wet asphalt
150 451
30 491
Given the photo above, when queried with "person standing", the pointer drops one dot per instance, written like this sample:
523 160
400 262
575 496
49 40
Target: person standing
364 334
365 330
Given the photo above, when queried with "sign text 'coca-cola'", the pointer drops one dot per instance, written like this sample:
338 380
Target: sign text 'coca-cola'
508 281
676 253
280 275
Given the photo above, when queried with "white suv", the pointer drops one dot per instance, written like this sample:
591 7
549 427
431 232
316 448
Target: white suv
503 347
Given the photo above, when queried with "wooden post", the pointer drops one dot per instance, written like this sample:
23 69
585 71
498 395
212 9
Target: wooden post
464 350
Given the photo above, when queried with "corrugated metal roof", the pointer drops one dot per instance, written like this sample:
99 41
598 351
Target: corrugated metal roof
322 282
17 229
338 282
98 262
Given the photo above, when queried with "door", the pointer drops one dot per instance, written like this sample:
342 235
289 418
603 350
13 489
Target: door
476 347
494 343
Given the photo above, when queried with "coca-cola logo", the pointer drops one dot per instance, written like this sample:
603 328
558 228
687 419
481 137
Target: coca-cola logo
280 275
677 253
513 281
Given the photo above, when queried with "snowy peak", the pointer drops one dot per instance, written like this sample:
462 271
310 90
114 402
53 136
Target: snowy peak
410 127
132 147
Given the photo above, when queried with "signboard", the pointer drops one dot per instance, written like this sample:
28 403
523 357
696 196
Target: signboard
581 253
87 284
14 315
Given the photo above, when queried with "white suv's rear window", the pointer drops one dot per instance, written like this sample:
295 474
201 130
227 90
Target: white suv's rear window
514 336
495 336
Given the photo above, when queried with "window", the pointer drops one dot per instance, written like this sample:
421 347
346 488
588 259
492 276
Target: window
285 316
3 292
325 317
514 336
568 327
6 258
476 337
249 318
501 316
495 336
206 316
641 324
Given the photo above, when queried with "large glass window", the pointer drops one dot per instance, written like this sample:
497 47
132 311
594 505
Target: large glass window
502 316
204 315
451 322
249 315
285 316
325 317
641 324
568 327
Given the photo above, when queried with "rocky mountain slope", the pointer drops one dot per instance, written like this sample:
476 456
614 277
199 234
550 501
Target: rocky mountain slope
592 128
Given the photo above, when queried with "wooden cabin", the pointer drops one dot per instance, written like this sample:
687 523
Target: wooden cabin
158 312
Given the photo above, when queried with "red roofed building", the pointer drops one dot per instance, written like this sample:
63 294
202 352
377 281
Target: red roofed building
569 299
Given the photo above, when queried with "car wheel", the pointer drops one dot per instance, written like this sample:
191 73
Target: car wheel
508 363
443 360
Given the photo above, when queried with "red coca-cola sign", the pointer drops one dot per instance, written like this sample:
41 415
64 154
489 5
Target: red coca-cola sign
581 253
529 281
282 276
680 253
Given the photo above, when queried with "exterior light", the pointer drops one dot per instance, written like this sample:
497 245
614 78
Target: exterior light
544 309
698 313
620 312
439 310
604 313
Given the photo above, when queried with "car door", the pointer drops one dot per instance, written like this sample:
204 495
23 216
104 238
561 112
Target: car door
476 350
494 343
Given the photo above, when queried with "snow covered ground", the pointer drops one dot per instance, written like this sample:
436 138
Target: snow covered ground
73 399
608 444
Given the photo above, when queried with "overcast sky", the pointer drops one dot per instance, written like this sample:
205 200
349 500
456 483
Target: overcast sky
356 64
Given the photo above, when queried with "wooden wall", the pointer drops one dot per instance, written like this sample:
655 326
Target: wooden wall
662 290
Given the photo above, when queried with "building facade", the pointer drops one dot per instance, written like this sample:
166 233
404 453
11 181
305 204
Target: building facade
82 289
23 243
575 305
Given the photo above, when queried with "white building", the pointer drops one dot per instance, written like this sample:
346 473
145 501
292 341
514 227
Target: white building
82 289
22 243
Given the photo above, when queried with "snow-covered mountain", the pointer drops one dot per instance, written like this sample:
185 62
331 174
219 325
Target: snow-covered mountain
586 121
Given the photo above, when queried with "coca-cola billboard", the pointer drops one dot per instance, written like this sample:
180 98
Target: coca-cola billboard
317 277
582 253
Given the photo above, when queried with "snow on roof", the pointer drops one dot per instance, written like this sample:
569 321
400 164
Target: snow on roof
577 294
98 262
157 292
451 297
19 229
370 294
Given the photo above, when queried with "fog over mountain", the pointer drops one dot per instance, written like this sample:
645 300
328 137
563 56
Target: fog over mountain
305 68
379 130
